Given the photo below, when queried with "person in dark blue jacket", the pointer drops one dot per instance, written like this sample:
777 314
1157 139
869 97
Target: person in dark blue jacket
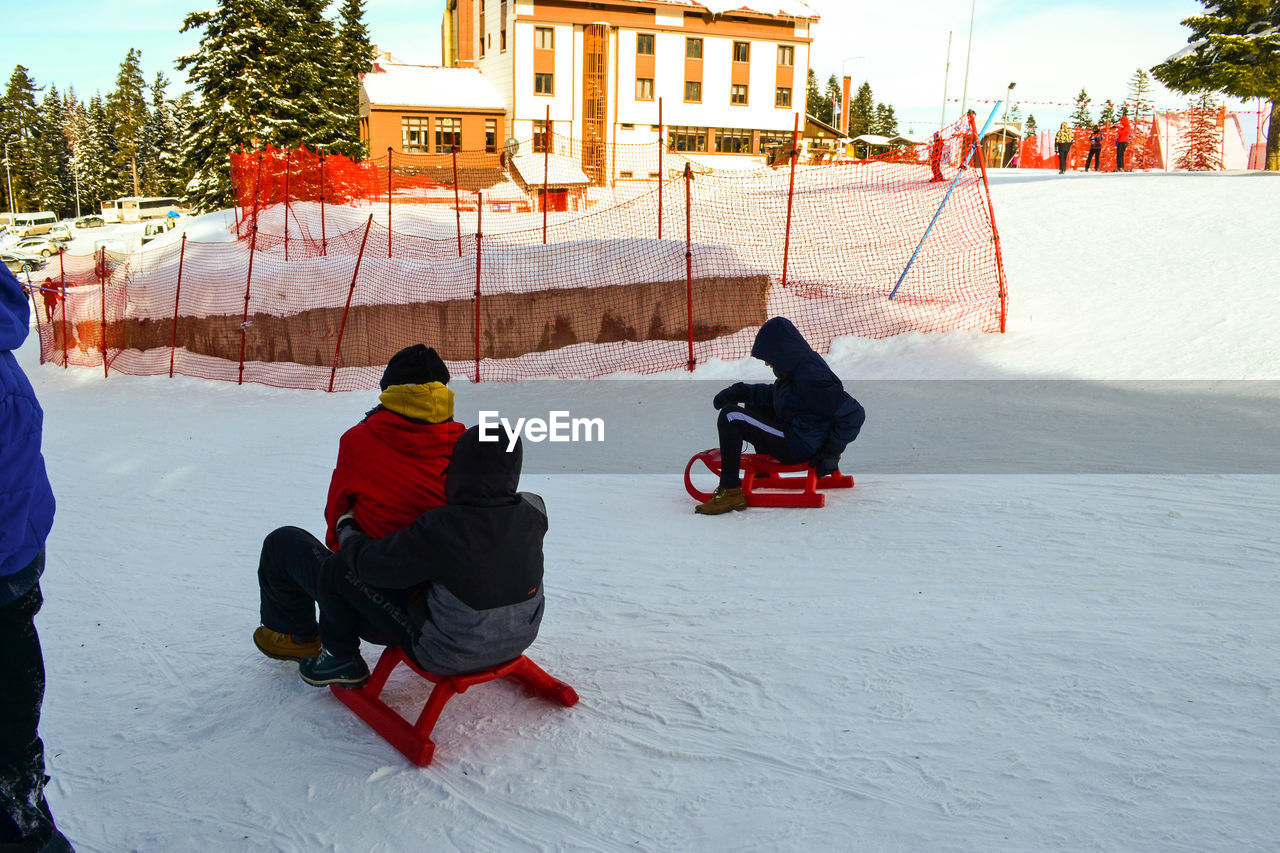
805 415
26 516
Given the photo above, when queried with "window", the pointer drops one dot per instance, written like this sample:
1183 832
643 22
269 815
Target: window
782 97
644 44
693 48
626 174
540 137
502 24
544 38
774 139
693 91
786 55
738 95
413 135
686 138
543 84
491 135
644 88
742 51
448 134
733 141
502 41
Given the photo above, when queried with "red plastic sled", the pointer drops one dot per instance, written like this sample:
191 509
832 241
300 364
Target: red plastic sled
414 741
764 482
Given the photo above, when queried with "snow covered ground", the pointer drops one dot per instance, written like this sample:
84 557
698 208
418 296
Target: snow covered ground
933 662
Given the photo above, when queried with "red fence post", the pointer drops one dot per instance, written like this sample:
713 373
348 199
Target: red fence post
62 267
688 252
546 165
388 201
102 289
995 234
479 235
244 321
662 144
337 350
457 204
173 341
791 191
287 156
324 242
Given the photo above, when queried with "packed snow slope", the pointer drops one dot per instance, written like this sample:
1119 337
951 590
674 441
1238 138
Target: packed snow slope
933 662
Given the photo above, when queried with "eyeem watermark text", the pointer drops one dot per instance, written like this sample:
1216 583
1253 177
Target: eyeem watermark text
558 427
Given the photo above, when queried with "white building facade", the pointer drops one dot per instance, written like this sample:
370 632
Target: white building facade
723 86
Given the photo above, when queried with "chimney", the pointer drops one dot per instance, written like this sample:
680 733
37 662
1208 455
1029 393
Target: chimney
464 30
844 104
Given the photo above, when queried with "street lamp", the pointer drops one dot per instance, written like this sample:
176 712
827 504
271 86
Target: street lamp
7 177
1004 132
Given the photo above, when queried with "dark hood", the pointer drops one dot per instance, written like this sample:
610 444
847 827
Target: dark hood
15 313
483 473
780 344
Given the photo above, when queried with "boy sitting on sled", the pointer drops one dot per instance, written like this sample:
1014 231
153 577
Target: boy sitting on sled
805 415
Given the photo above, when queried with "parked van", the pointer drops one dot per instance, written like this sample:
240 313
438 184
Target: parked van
29 224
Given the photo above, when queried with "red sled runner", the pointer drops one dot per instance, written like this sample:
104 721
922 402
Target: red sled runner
764 480
414 741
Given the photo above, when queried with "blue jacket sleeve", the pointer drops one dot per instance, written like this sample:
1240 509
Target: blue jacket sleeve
758 397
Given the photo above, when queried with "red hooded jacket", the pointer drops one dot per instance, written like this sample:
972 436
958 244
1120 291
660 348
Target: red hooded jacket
390 470
1123 134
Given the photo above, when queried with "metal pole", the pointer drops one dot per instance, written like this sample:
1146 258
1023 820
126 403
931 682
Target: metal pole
62 266
791 191
662 144
964 105
388 201
946 78
546 165
457 204
342 327
476 303
688 253
173 341
287 156
102 290
244 321
324 241
995 233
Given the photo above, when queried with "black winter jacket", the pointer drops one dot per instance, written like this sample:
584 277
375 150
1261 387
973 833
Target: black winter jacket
818 415
477 562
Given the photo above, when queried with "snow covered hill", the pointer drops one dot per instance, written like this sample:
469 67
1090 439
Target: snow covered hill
948 659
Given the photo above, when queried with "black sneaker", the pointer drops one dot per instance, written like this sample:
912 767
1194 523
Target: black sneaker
327 669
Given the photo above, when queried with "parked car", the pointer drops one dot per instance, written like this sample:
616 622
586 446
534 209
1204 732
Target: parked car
42 246
90 222
20 262
60 233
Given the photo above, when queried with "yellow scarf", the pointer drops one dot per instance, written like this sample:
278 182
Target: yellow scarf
431 402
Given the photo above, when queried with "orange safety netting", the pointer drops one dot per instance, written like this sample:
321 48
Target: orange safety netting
618 275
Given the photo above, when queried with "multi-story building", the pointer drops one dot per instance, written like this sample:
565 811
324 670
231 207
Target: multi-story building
418 109
609 73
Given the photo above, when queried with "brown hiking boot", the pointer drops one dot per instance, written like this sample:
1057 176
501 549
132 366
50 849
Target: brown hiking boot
724 500
273 644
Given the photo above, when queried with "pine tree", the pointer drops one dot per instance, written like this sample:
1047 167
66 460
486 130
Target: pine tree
813 102
1202 148
862 111
95 155
1234 47
127 112
53 187
1139 94
355 57
18 121
886 123
1030 129
1015 114
1081 118
1108 114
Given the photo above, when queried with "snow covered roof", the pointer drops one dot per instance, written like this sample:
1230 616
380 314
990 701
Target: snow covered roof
561 170
393 84
781 8
873 139
909 139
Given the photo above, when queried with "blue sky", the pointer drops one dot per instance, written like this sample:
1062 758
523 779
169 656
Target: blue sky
1051 49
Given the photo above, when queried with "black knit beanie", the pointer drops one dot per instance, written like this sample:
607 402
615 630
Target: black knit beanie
415 365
